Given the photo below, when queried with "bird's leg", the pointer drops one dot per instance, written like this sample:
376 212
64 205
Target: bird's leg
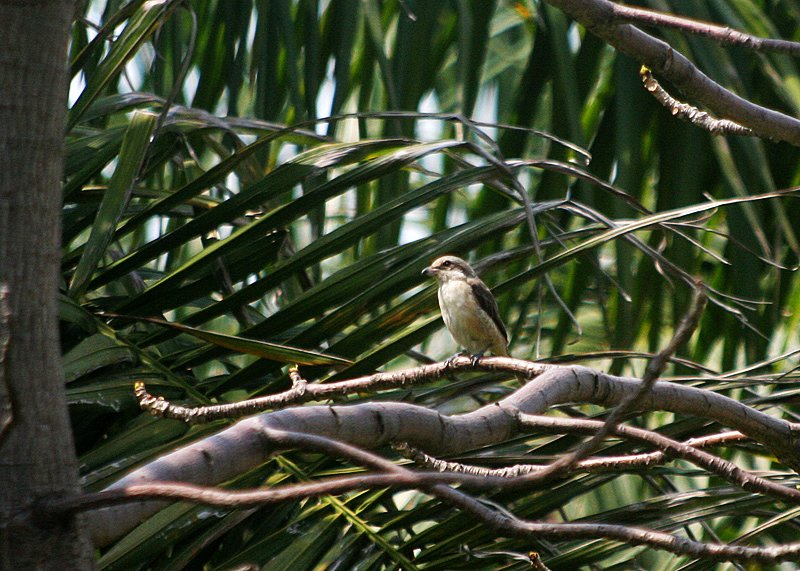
449 361
476 358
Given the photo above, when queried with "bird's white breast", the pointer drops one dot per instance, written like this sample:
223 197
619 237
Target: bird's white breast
469 325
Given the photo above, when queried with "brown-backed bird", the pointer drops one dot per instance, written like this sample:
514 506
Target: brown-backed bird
468 307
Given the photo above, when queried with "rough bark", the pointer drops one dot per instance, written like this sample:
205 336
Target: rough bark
37 455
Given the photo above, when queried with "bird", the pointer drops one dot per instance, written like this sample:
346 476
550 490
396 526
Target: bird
468 308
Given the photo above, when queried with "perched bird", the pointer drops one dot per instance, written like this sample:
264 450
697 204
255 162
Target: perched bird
468 308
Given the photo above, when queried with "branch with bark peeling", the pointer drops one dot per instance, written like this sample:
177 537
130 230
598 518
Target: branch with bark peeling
301 391
690 113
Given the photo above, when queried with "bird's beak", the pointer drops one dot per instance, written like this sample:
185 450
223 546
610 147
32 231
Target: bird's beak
427 272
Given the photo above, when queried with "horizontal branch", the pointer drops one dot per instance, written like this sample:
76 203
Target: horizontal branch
721 34
507 523
302 392
432 482
601 464
247 444
435 483
673 448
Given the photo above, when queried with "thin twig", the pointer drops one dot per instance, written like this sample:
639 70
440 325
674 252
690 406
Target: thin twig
507 523
721 34
301 391
654 369
671 448
602 464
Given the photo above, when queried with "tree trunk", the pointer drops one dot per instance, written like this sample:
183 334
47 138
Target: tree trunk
37 456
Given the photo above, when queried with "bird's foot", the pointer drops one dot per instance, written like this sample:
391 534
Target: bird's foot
476 358
449 361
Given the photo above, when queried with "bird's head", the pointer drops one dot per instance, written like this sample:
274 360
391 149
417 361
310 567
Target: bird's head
449 268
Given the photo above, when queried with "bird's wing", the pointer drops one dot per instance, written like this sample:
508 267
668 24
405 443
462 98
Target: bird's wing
488 303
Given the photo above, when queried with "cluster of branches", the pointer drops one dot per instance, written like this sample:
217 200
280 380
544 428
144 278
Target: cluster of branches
617 25
345 431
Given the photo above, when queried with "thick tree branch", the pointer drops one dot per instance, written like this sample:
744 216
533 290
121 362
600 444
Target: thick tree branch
370 425
471 478
601 18
435 483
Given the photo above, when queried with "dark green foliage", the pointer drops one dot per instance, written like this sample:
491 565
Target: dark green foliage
200 190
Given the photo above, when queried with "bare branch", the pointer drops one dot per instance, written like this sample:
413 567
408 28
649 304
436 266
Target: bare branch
301 391
672 448
507 523
401 478
475 479
721 34
246 444
600 18
404 479
654 369
527 474
690 113
591 465
219 497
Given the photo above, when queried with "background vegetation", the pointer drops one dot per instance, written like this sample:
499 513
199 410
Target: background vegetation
234 167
